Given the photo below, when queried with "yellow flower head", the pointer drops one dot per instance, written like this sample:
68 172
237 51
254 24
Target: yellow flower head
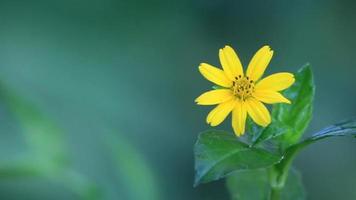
243 93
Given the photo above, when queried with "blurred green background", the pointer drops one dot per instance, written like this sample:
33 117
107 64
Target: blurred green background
119 79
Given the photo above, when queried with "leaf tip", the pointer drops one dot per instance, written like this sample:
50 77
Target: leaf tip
197 181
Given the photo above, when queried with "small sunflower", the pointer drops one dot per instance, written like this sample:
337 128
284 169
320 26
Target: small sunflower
243 94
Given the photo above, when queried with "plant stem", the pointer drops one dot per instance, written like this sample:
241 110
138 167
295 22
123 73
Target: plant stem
276 183
279 172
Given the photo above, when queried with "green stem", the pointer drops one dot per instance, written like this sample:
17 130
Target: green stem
276 183
279 172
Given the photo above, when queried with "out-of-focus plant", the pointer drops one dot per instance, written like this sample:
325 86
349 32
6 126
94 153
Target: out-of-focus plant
258 166
133 169
46 156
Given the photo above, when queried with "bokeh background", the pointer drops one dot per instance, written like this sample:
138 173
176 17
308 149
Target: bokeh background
119 79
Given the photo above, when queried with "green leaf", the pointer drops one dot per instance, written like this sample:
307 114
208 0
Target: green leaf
289 121
299 113
218 153
248 185
243 185
79 184
42 135
294 188
253 131
346 128
255 185
274 130
18 169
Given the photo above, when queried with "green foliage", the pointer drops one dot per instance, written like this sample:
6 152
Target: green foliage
18 169
259 167
345 128
249 185
299 113
47 156
293 188
273 131
218 153
255 185
43 137
290 121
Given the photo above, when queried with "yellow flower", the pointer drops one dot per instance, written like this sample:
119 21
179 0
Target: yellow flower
243 94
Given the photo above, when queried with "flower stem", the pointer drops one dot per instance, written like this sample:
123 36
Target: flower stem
279 172
276 182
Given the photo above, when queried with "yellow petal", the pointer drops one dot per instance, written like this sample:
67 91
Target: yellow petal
239 114
214 75
214 97
258 112
220 112
230 62
270 97
276 82
259 63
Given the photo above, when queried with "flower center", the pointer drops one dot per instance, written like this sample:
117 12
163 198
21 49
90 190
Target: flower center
242 87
